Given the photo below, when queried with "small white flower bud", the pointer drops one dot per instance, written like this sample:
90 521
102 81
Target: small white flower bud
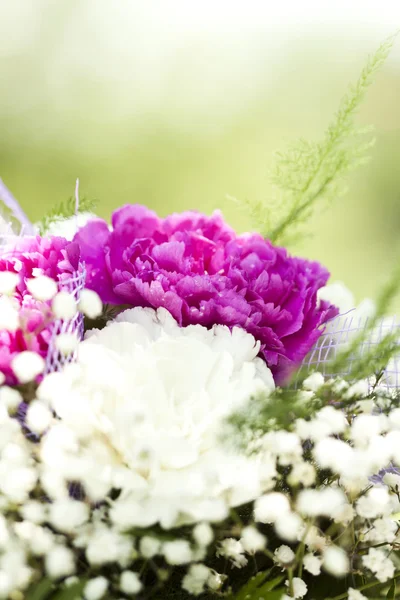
66 343
10 398
95 588
90 304
38 417
9 317
64 306
203 534
149 546
59 562
130 583
336 562
177 552
8 282
42 287
27 366
313 382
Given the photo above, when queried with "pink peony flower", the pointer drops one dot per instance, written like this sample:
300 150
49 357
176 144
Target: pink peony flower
202 272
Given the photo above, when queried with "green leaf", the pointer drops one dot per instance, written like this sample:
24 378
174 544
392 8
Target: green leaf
275 595
65 210
309 173
70 592
392 591
41 591
271 585
258 587
248 589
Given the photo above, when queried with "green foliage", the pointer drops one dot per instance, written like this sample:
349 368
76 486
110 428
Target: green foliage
311 172
41 591
70 592
260 586
392 591
47 590
65 210
267 413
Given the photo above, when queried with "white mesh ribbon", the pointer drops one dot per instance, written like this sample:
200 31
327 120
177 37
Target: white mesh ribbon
55 360
14 224
339 332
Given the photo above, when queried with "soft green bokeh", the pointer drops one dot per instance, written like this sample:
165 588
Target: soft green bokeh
152 157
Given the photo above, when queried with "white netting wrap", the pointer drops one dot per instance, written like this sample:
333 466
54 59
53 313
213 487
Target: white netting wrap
55 360
8 235
342 330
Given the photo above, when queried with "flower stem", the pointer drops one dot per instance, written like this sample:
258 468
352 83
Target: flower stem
367 586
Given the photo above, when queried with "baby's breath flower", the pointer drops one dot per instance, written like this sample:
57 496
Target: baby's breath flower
313 382
64 306
357 390
336 561
42 287
130 583
377 561
38 417
233 549
9 316
312 564
66 343
374 503
390 479
27 366
96 588
215 580
8 282
10 397
299 587
289 526
59 562
302 473
320 502
203 534
149 546
66 515
90 304
196 579
270 507
177 552
284 555
34 511
252 540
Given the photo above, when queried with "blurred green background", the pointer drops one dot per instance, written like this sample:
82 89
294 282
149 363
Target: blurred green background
178 104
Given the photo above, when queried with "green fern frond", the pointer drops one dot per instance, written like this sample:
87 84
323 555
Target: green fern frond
310 172
65 210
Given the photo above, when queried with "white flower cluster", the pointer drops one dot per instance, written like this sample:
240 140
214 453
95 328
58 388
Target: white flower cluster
129 478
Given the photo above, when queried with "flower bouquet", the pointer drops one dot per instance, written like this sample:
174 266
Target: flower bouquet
185 411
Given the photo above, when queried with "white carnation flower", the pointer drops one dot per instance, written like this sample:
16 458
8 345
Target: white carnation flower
148 401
